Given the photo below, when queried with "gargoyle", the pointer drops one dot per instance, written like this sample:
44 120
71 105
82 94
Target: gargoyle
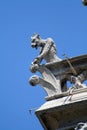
78 80
47 52
47 49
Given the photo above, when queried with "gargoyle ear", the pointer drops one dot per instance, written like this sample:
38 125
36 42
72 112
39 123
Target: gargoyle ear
35 33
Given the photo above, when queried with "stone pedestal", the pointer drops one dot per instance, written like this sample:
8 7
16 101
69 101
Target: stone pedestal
64 113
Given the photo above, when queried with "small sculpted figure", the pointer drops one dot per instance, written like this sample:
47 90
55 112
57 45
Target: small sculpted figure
78 80
47 49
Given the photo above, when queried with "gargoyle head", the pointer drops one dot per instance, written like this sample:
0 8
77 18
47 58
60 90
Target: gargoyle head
35 40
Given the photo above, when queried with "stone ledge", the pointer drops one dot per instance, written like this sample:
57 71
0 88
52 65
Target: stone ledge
75 91
59 113
62 67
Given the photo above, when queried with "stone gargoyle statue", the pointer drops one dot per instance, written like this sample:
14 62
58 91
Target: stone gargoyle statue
47 52
56 72
47 49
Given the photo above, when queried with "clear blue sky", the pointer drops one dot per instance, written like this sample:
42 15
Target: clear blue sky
63 20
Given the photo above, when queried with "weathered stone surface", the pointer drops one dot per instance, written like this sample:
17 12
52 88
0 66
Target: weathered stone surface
64 113
56 74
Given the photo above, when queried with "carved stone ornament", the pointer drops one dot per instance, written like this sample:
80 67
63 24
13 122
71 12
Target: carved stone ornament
56 72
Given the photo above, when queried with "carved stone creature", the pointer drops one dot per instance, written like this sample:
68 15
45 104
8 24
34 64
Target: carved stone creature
77 80
48 82
47 49
47 52
55 74
48 87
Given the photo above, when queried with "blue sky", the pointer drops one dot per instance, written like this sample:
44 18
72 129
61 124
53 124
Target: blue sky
63 20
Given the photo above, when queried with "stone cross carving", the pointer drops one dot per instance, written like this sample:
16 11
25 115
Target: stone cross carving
56 72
